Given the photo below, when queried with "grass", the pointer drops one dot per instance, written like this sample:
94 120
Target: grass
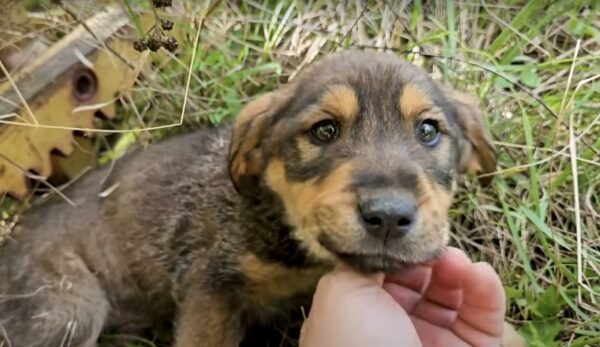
535 67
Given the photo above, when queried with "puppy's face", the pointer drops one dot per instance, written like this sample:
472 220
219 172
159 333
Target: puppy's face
362 150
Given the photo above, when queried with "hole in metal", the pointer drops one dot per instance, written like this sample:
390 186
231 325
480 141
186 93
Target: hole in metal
84 84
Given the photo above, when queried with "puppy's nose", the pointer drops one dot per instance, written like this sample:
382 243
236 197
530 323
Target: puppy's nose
388 217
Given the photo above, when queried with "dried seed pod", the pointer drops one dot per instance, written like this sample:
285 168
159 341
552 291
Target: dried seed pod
140 45
170 43
161 3
154 44
166 24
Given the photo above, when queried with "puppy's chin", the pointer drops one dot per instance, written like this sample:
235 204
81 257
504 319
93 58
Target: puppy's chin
378 261
369 263
373 263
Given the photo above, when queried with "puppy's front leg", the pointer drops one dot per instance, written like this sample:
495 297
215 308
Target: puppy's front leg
207 321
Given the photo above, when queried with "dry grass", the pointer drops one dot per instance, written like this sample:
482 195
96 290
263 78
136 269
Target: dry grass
534 65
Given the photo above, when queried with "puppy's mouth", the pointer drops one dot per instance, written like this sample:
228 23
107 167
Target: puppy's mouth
376 261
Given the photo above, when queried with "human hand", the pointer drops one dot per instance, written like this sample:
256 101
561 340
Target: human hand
450 302
352 310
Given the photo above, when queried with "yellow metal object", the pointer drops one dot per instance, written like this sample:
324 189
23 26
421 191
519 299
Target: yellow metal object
61 91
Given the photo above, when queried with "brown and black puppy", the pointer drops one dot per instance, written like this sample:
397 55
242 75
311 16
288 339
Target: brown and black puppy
353 161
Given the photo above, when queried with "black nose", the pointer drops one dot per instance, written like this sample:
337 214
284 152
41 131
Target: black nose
388 217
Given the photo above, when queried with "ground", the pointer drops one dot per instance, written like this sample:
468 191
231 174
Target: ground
533 65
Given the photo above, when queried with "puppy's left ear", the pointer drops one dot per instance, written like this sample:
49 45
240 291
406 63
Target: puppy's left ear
477 153
250 140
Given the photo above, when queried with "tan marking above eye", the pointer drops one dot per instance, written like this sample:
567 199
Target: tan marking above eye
341 101
413 101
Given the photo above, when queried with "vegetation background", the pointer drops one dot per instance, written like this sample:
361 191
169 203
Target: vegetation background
534 66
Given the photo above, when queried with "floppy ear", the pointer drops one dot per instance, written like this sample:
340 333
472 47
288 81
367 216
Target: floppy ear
246 157
477 154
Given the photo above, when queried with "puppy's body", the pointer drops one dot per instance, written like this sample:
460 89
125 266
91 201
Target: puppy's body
173 224
339 165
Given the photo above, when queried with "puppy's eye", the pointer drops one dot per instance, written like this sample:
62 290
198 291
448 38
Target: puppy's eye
428 132
325 131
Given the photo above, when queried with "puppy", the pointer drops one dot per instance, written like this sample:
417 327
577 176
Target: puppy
352 161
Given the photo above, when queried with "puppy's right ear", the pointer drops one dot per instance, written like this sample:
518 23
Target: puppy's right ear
478 155
250 133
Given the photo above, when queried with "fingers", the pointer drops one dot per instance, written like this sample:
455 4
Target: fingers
415 278
447 279
432 291
405 297
483 304
407 287
466 332
466 298
444 296
434 336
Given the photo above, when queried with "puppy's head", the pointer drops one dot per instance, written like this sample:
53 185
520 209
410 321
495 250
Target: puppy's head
362 150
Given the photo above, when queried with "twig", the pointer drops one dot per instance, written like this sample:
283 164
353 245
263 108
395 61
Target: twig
347 34
211 8
16 88
574 172
91 32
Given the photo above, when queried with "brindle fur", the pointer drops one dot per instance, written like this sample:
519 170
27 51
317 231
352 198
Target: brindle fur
177 241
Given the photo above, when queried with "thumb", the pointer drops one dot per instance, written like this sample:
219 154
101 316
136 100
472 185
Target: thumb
351 309
344 283
357 279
